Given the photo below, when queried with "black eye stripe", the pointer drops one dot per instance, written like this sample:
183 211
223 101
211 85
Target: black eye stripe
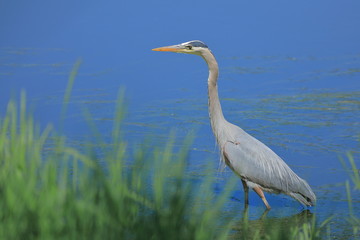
198 44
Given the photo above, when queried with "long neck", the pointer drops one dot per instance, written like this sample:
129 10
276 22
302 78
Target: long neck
216 116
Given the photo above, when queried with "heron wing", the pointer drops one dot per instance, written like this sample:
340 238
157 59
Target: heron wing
257 163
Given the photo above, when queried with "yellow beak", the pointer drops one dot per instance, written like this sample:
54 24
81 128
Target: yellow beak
173 48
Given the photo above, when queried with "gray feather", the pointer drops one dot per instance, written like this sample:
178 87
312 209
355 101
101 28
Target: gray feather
258 164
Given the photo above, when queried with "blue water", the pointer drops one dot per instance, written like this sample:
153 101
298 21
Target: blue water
289 75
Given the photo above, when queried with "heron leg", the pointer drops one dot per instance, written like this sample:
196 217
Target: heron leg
246 192
262 196
263 216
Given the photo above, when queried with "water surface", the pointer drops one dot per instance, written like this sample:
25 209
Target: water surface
289 75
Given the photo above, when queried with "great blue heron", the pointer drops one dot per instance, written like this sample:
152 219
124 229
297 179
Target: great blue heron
257 165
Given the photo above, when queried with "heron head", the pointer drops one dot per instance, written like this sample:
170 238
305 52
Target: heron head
193 47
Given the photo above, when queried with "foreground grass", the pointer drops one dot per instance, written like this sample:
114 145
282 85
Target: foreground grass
63 193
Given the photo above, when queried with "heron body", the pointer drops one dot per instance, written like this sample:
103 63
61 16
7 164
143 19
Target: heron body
256 164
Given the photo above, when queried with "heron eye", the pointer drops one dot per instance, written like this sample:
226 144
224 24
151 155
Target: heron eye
188 47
